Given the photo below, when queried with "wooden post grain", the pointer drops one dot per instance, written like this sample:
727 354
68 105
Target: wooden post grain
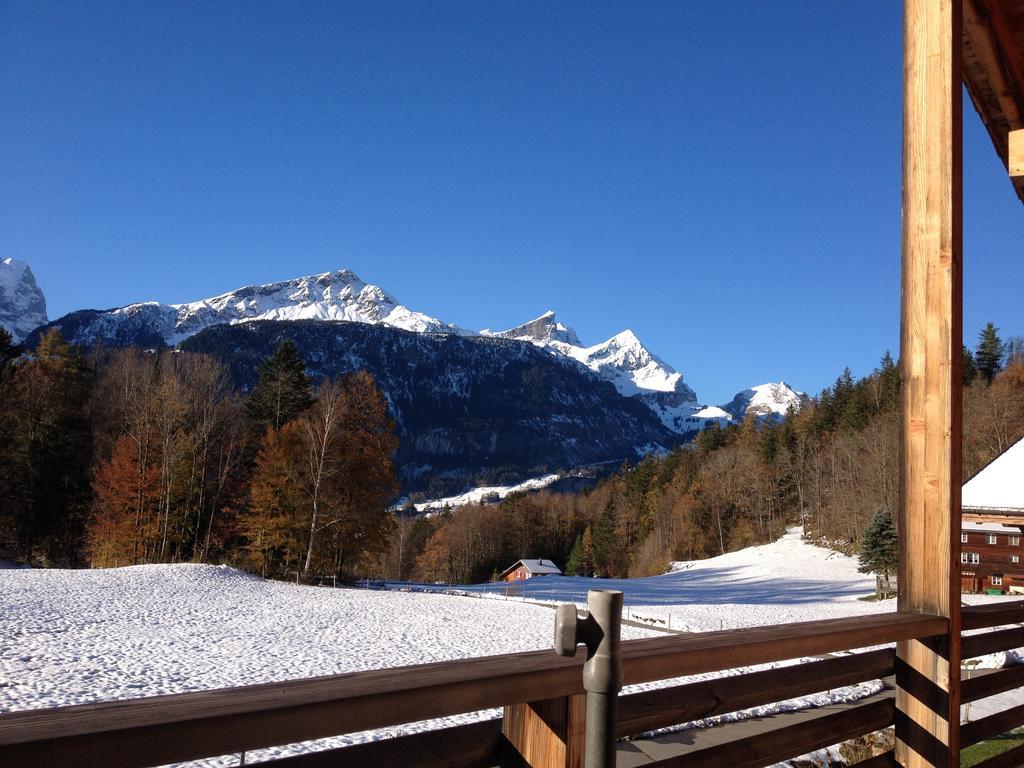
931 337
545 734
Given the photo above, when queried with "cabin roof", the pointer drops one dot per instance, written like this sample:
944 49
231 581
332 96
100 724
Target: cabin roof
993 70
1010 530
998 487
537 567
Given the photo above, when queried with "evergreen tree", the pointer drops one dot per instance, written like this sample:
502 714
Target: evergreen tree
7 349
283 391
603 539
53 451
575 561
989 354
879 551
889 383
857 411
970 370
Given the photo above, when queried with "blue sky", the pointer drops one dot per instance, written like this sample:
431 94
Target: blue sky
723 178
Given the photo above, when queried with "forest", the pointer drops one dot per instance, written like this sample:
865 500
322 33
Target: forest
122 457
127 456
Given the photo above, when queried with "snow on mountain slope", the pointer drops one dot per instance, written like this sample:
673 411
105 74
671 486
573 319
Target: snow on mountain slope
483 494
766 401
339 295
623 361
22 304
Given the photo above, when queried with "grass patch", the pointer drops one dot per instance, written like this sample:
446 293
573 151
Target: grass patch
981 752
874 598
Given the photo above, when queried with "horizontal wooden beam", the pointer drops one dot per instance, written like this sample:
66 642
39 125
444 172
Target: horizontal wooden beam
778 744
187 726
993 615
663 707
666 657
462 746
992 642
979 686
993 725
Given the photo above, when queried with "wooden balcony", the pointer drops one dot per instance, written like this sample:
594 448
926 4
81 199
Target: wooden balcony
540 694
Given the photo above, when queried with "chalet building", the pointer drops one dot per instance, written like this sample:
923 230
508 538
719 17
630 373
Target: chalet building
527 569
990 558
992 520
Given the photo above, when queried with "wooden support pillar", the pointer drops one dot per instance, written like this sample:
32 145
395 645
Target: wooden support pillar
931 339
545 734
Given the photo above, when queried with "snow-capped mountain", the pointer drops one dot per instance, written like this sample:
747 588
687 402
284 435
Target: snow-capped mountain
339 295
766 401
22 304
622 360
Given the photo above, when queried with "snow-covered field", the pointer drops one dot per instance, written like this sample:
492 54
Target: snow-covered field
786 581
69 637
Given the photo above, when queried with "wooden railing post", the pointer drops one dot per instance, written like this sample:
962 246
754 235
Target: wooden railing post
931 338
545 734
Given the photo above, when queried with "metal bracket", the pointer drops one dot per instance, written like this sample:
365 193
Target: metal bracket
599 630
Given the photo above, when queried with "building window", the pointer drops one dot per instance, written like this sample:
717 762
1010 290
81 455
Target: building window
963 538
997 581
1014 558
970 557
991 538
1015 541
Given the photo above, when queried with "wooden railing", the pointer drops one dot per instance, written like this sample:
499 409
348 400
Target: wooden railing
541 695
993 682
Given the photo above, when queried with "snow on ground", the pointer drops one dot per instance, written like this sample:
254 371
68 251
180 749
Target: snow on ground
71 637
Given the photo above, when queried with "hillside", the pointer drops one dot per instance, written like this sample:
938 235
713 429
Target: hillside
464 407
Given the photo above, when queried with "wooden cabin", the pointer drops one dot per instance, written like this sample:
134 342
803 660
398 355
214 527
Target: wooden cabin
528 569
992 504
947 43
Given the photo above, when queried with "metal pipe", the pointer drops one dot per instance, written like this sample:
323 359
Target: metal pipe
600 631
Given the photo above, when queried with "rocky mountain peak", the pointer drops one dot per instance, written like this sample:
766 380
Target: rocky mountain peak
542 329
22 304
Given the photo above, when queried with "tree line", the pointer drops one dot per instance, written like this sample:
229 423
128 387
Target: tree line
126 457
833 466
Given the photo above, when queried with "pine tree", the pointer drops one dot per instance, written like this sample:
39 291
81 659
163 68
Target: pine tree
7 349
889 383
283 391
587 554
879 550
970 370
989 354
575 561
603 537
53 451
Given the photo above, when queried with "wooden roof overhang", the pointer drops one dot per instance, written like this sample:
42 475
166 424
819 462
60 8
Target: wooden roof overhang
993 71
